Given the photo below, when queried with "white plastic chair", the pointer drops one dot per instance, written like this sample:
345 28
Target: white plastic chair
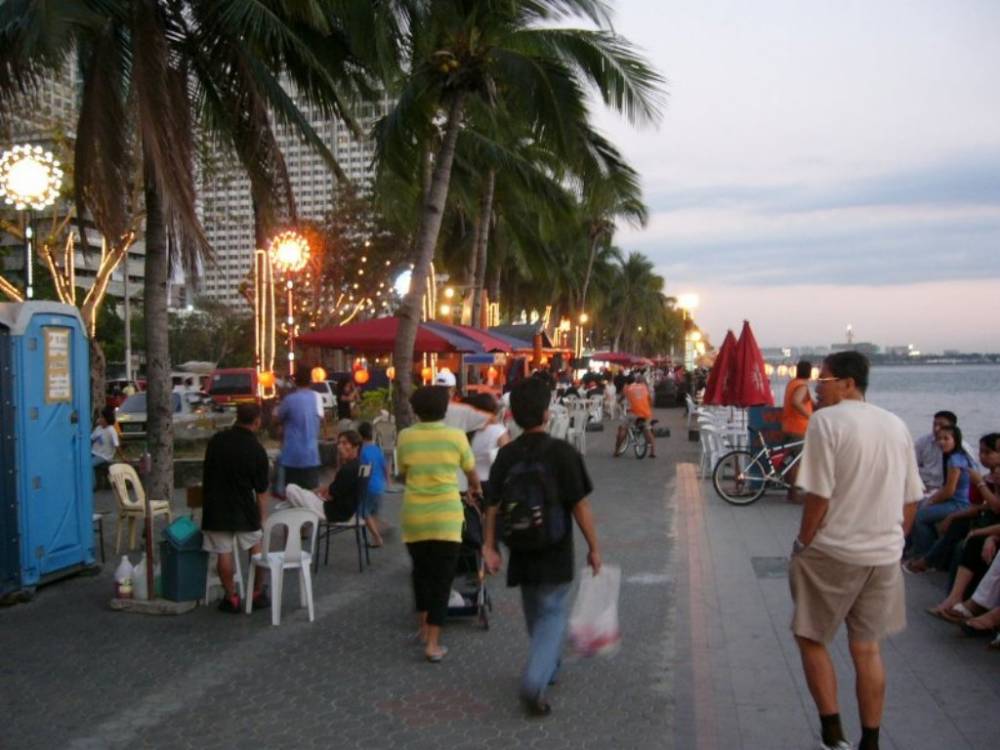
291 558
576 432
212 579
713 447
125 483
559 425
596 409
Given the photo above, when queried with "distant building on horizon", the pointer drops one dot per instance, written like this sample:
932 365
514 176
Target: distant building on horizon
865 347
899 350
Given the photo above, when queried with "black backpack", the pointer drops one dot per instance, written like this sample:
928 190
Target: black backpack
531 516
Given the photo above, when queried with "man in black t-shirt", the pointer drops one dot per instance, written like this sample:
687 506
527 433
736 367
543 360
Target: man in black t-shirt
340 499
234 491
545 576
338 502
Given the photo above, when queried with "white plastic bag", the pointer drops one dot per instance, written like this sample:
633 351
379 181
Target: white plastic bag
593 622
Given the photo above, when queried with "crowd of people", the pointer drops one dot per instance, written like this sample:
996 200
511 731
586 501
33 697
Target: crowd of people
956 524
458 453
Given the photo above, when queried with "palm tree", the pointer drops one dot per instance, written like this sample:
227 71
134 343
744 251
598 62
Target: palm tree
154 73
635 298
461 52
607 197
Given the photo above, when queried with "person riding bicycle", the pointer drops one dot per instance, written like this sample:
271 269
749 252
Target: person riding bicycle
640 413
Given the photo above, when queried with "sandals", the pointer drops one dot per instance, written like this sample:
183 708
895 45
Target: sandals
436 658
974 632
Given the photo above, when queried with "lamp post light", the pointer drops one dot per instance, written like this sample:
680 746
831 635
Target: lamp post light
30 178
688 303
579 342
289 252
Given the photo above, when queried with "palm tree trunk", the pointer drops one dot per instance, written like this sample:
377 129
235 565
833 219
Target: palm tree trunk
470 262
482 242
590 269
619 330
427 236
159 423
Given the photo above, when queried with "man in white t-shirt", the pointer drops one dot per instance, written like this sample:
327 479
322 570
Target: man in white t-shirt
861 484
460 416
104 440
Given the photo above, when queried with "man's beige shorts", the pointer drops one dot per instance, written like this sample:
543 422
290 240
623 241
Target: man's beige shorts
222 541
870 600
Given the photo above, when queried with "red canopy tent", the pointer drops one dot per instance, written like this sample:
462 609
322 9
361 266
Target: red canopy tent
750 385
718 390
488 341
379 335
620 358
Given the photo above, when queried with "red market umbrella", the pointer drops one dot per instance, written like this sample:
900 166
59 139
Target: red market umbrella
379 335
750 385
720 379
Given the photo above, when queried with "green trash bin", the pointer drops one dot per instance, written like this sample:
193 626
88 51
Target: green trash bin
183 563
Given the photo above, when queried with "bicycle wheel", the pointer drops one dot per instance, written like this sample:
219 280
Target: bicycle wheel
739 478
639 446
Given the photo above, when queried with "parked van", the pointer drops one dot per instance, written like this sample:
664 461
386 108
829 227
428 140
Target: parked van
235 385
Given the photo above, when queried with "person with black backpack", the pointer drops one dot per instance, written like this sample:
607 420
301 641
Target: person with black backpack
538 485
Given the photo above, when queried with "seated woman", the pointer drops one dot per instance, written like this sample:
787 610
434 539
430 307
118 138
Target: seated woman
955 527
953 496
337 502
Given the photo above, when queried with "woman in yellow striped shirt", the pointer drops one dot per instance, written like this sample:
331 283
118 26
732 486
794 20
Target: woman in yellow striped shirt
430 454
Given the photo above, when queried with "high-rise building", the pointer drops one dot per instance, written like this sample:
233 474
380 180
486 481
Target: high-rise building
224 194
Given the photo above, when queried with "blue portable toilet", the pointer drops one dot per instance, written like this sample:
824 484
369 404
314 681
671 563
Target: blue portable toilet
46 474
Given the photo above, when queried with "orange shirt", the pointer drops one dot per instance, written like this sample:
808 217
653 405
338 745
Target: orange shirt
638 400
792 420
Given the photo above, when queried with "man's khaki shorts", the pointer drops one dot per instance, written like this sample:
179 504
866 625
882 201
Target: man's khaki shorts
222 541
870 600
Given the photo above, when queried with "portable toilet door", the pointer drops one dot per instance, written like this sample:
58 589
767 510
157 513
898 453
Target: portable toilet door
10 559
53 468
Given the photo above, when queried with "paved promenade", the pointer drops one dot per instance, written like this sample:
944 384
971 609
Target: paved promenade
707 659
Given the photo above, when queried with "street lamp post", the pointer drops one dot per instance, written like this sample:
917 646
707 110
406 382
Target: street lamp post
30 178
580 340
289 252
688 303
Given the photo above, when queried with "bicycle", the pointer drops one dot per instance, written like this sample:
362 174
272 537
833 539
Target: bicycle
741 477
634 437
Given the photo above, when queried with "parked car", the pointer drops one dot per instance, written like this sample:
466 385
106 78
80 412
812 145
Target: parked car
325 389
117 390
195 417
232 386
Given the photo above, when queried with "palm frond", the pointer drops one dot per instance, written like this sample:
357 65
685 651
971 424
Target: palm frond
608 62
103 157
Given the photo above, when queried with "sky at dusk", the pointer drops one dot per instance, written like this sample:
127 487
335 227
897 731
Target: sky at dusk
821 163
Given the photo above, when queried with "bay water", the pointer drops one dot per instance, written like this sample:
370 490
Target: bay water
915 392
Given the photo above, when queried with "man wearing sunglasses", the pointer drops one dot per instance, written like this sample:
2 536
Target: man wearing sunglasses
861 483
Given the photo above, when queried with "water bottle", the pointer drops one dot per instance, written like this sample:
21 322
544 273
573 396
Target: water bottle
139 587
123 578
